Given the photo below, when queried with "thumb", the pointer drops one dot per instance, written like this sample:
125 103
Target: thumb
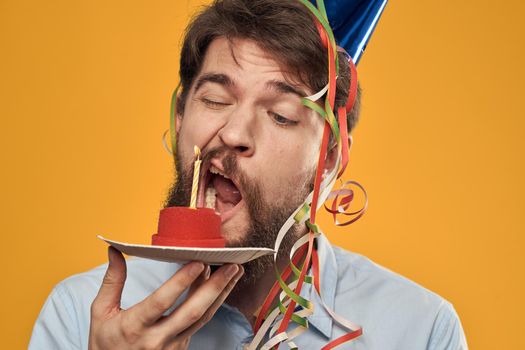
108 297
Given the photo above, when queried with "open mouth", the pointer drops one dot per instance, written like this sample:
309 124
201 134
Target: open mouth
219 192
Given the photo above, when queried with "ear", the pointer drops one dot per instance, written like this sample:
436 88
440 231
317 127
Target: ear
331 158
178 117
332 154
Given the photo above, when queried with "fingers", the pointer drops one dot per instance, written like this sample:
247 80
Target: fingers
203 277
188 332
194 307
110 292
151 309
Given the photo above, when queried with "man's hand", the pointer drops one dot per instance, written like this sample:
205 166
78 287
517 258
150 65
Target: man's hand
143 326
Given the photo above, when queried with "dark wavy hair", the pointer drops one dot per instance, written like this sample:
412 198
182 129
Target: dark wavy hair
285 29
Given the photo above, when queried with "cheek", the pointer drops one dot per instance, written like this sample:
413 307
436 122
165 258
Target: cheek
196 130
294 155
286 168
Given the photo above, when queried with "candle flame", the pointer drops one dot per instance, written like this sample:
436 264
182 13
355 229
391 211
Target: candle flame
197 151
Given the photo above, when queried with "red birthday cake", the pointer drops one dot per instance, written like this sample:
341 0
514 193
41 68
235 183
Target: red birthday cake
188 227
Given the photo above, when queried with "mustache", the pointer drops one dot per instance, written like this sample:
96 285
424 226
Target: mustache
215 152
228 158
250 187
180 191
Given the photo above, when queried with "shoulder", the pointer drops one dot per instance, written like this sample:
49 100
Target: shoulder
390 306
357 272
63 322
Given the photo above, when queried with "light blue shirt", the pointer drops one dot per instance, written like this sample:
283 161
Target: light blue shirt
395 313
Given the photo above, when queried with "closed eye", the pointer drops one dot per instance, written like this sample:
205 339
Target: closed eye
281 120
214 104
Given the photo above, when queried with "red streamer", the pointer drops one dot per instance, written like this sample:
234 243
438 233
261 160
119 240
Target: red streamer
311 254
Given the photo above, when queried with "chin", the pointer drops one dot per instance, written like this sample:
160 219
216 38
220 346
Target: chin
235 229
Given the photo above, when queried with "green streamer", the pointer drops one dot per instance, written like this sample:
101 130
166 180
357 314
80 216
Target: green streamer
173 112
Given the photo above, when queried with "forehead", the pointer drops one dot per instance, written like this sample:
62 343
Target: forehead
246 63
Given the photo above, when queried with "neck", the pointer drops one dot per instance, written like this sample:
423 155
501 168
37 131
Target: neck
248 298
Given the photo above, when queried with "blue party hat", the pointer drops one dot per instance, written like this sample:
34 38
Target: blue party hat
353 22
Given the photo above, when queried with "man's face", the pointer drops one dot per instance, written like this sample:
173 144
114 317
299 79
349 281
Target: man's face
250 123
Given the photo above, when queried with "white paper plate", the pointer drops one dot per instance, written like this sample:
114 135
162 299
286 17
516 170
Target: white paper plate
212 256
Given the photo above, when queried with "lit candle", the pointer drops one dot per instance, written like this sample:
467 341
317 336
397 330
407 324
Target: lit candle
196 171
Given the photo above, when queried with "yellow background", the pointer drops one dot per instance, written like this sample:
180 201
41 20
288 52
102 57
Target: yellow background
85 89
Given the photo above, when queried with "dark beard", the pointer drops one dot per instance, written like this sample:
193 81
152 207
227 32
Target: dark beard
266 219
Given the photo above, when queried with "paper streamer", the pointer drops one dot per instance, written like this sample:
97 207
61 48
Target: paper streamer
274 320
341 199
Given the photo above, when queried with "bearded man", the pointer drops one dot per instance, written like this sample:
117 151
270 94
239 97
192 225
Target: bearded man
245 65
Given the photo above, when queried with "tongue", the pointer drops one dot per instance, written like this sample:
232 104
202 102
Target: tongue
226 190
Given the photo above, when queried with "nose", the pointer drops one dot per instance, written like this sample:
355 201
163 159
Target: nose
237 134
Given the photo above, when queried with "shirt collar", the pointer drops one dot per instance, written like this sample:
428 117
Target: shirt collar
320 319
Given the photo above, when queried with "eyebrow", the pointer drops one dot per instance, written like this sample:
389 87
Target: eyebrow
284 88
221 79
224 80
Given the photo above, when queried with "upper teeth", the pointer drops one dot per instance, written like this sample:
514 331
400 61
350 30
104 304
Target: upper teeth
215 170
210 197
